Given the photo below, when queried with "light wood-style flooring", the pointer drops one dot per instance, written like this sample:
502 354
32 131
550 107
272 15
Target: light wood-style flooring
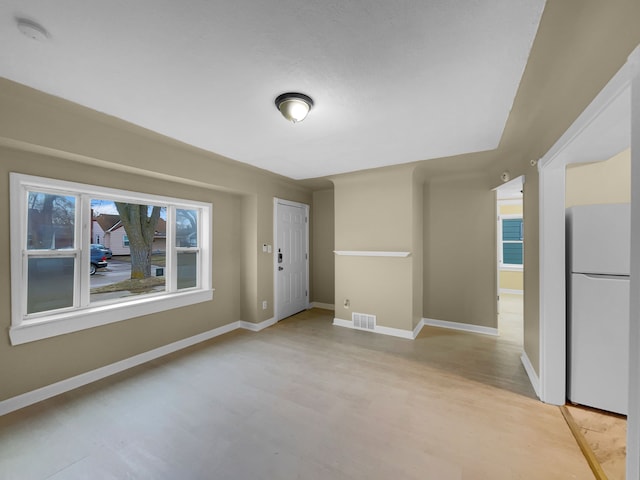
605 435
303 400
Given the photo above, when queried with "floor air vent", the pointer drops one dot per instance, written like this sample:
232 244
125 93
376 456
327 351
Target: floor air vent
363 320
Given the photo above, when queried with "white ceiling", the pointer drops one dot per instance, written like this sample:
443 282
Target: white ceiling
393 82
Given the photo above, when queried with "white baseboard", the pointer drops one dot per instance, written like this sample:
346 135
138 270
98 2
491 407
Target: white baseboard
511 291
256 327
394 332
418 328
533 377
34 396
326 306
465 327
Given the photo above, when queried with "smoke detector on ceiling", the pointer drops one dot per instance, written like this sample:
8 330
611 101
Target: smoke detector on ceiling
31 29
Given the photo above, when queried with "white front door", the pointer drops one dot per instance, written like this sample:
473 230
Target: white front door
291 258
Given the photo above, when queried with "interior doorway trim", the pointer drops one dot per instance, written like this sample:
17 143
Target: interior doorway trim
509 194
276 202
570 148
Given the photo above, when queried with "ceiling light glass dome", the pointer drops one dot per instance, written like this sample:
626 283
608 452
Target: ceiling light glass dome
294 106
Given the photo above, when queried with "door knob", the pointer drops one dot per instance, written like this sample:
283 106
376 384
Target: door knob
280 269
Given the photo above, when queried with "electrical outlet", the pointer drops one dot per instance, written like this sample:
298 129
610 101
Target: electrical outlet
264 304
346 303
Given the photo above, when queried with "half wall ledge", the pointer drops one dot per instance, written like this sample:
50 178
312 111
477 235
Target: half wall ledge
369 253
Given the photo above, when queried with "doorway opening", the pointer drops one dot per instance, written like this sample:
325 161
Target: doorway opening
291 257
510 260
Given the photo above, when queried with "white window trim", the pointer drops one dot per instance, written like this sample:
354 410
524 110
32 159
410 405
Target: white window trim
84 315
508 267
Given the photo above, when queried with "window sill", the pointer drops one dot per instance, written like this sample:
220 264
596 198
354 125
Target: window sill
511 268
68 322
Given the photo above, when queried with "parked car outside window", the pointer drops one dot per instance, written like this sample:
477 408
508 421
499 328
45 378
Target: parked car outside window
106 250
98 259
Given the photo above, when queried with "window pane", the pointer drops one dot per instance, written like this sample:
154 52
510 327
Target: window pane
512 253
187 269
186 228
50 221
137 236
50 284
512 229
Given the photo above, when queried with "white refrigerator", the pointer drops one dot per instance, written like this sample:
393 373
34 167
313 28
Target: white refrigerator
598 254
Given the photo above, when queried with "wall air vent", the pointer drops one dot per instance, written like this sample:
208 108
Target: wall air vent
363 321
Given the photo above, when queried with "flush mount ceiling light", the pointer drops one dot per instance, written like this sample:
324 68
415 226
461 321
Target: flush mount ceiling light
294 106
32 29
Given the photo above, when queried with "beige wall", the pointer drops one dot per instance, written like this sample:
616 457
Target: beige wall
322 246
460 251
602 182
375 211
511 209
417 248
249 260
46 136
511 280
376 286
531 280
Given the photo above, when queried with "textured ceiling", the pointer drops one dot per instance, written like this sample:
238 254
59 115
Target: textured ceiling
393 82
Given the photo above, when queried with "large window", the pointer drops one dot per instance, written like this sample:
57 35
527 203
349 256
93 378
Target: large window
61 283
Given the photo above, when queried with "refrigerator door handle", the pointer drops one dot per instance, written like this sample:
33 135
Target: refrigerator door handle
602 276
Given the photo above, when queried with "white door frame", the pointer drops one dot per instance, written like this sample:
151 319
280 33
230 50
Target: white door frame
633 417
280 201
570 149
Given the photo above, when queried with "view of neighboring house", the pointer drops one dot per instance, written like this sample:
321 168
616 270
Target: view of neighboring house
109 230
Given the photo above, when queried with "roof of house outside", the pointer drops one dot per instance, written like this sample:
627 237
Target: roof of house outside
161 228
107 221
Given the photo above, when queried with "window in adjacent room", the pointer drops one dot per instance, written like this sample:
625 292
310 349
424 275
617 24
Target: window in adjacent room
512 241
